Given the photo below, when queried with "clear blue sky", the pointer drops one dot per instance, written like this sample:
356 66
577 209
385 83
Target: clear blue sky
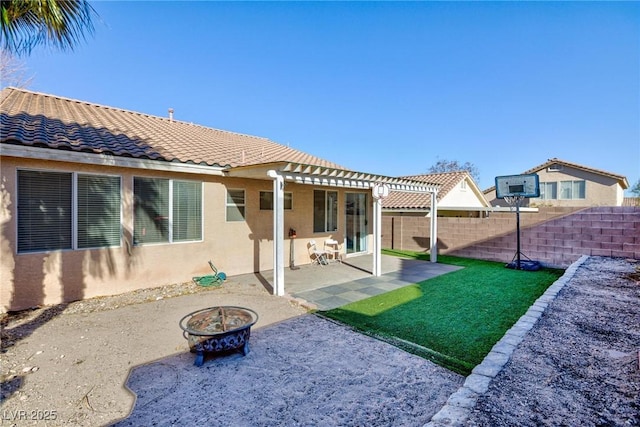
382 87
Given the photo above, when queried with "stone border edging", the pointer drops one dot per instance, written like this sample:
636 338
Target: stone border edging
459 405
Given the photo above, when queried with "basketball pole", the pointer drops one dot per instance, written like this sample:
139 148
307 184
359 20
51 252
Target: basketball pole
514 189
517 201
518 232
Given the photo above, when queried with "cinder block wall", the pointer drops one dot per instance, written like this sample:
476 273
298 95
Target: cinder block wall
553 236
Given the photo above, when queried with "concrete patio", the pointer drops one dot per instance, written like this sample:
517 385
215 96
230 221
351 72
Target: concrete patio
338 283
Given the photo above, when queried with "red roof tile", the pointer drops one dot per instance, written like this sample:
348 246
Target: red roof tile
447 180
41 120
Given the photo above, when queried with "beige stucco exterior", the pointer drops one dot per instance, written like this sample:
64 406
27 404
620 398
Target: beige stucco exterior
464 194
51 133
54 277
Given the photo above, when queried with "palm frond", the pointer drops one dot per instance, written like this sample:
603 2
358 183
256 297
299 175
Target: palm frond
58 23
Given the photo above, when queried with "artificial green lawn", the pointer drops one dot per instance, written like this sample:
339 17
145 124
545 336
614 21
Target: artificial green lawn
453 319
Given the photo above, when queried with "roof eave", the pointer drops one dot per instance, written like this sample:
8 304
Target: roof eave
52 154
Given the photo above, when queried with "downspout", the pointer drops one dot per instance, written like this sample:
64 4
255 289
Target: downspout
433 251
278 232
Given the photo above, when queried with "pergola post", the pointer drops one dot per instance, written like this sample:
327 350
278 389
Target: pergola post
377 236
379 192
433 232
278 232
306 174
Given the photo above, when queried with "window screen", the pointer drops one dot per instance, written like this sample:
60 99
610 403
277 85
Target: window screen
235 205
187 210
44 211
98 211
548 190
266 200
151 210
572 190
325 211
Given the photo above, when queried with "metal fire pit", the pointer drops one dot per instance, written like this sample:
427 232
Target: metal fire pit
218 329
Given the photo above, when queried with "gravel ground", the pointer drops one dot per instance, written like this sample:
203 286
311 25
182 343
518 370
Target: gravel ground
580 364
72 364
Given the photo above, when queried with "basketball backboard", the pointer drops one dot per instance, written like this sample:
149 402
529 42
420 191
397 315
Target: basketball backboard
517 185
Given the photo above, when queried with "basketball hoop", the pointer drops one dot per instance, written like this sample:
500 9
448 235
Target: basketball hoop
514 202
514 189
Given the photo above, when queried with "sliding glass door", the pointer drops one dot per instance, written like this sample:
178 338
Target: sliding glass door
356 222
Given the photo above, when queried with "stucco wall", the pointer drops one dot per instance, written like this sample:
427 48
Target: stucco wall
599 190
53 277
459 196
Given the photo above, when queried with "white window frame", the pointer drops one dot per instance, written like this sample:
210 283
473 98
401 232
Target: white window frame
327 213
572 189
232 204
173 219
73 217
544 188
170 213
77 208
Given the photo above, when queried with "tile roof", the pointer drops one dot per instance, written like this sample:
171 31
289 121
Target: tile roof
401 200
41 120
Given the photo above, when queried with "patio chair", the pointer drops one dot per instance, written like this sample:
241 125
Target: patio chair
317 255
214 279
332 247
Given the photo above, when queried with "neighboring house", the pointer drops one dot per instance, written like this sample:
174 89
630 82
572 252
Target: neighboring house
459 196
568 184
97 201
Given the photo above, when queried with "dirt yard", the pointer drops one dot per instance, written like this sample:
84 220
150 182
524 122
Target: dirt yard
70 365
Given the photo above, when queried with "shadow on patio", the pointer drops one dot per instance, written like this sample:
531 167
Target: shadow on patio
339 283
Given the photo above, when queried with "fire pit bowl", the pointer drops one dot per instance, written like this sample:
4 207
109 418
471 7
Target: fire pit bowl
218 329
